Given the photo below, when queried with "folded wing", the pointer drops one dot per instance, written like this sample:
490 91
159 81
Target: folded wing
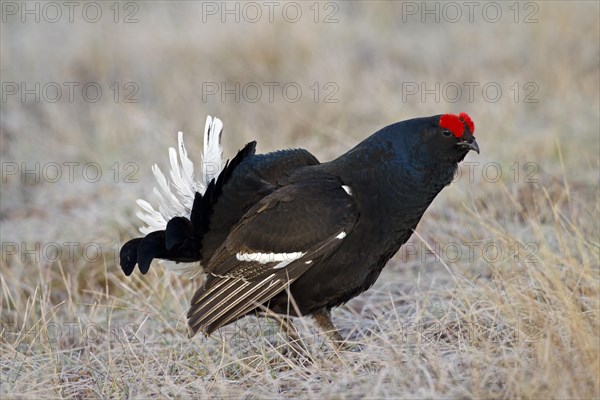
293 229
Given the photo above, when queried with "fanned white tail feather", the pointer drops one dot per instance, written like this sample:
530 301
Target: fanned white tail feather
213 152
176 198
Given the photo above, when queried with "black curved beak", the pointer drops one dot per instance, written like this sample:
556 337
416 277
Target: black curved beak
470 145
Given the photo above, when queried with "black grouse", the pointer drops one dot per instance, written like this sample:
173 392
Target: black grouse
267 226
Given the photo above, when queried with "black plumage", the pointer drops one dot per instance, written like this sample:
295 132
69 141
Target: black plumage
283 224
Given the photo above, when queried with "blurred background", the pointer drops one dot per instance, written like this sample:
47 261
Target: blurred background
93 94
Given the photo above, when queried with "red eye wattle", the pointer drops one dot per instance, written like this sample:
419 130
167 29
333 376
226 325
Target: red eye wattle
456 123
453 124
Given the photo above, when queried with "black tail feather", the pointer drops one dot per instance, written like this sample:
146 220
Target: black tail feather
153 246
128 255
179 229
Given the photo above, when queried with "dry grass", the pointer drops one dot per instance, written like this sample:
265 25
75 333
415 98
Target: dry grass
523 323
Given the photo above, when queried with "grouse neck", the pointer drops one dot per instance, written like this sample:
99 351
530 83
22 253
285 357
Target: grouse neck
392 164
392 186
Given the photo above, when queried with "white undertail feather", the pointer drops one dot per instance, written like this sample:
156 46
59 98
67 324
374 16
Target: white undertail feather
213 152
176 198
182 176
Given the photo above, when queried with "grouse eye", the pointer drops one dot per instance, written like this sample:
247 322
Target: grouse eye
446 132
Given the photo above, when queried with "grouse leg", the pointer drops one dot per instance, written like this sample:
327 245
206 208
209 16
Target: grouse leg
323 320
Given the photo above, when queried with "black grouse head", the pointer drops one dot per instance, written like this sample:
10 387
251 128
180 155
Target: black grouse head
448 138
430 148
440 139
